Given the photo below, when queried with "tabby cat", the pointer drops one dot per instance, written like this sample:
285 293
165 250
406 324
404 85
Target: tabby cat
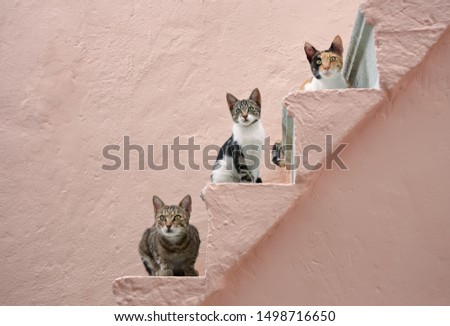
238 158
326 67
170 247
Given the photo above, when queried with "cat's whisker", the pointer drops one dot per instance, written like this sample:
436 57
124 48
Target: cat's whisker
326 67
170 247
247 132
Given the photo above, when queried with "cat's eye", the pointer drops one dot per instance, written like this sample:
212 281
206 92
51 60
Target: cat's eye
177 217
162 218
238 111
332 59
252 110
319 62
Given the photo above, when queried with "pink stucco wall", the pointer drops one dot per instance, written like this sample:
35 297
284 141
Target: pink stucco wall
392 257
379 233
77 76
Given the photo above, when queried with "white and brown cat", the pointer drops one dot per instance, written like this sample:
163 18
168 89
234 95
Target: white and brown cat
238 159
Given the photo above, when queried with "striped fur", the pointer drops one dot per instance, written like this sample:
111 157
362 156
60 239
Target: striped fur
170 247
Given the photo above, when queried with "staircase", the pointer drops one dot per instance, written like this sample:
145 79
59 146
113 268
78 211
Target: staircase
388 42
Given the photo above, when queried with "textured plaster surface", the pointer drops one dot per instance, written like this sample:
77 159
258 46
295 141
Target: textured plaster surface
356 231
378 234
404 32
321 113
358 236
234 230
160 291
77 76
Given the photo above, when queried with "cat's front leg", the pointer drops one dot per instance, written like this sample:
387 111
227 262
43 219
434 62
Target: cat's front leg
241 166
147 265
164 269
245 176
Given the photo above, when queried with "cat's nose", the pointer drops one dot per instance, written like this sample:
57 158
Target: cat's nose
168 226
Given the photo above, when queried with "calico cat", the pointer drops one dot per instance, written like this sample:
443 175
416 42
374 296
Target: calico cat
238 158
170 247
326 67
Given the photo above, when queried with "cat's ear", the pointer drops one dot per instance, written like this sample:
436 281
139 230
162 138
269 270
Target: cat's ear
157 203
336 46
186 204
310 51
255 96
231 100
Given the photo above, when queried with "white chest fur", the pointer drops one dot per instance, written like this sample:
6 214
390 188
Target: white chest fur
335 82
249 135
252 135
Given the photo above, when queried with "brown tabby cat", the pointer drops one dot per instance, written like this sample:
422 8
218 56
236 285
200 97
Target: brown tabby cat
170 246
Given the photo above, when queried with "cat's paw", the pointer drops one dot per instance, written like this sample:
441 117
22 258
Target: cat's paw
165 272
278 154
190 272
